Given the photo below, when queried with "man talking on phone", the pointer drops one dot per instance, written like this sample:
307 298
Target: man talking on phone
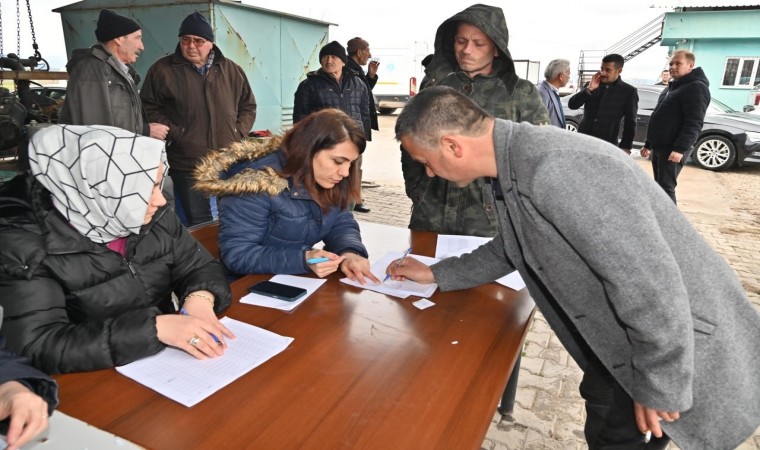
359 55
607 99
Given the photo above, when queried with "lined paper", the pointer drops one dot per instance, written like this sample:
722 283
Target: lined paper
187 380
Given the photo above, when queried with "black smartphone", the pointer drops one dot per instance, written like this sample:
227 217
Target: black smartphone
277 290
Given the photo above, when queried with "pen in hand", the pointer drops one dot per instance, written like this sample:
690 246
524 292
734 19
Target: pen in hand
216 339
317 260
398 263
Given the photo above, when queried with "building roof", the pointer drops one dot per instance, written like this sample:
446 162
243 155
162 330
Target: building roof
708 5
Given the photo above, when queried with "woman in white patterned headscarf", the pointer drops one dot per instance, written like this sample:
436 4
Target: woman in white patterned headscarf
90 256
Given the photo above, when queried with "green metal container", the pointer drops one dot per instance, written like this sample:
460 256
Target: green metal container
275 49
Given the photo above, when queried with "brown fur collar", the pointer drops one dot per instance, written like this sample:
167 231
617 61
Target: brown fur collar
247 181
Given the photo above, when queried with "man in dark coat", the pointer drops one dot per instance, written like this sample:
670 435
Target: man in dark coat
207 103
334 85
360 55
608 99
677 120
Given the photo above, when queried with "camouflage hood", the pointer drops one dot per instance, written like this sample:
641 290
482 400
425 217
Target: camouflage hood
234 170
490 19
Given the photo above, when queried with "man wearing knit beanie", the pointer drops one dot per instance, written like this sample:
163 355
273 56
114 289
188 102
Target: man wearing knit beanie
334 86
206 101
102 87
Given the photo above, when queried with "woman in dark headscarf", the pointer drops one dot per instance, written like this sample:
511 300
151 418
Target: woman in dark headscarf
90 256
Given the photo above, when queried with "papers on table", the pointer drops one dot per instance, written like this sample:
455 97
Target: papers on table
187 380
68 432
310 284
401 289
449 245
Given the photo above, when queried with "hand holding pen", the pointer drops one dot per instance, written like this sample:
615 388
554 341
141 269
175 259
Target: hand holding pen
398 264
193 334
322 262
409 269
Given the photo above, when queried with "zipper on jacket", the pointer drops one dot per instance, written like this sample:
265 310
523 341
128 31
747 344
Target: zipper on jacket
131 269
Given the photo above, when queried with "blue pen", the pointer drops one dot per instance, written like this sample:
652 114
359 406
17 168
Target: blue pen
216 339
317 260
398 263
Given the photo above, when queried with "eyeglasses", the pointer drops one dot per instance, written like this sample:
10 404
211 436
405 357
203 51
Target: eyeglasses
187 40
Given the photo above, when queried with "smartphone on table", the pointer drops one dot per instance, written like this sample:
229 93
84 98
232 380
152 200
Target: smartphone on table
277 290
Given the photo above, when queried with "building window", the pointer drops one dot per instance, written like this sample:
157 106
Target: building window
741 72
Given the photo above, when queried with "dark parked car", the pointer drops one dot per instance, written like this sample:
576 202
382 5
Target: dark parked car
727 139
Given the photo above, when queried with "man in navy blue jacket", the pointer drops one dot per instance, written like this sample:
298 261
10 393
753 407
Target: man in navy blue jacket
677 120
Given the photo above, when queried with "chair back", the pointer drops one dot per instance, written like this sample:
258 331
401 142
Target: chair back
208 236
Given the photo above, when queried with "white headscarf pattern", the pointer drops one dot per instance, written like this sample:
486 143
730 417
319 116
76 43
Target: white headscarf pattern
101 178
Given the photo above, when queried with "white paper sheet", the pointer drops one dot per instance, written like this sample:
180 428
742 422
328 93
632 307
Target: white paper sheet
187 380
310 284
401 289
449 245
66 432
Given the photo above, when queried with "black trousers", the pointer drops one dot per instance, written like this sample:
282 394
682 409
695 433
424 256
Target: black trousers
195 205
666 172
610 420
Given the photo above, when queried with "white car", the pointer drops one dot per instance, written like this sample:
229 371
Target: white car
753 101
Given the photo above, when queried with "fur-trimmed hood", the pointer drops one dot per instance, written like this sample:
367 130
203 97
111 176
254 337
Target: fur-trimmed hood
242 168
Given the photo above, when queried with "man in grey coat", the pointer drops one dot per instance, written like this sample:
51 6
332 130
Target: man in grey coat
556 76
659 323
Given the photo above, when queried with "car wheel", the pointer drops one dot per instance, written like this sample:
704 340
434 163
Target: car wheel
714 153
386 111
571 126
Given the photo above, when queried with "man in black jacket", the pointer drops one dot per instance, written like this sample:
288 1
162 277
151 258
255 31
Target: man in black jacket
334 85
359 55
677 120
608 99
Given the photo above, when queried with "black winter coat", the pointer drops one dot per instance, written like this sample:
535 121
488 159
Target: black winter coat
73 305
370 82
603 110
680 113
321 90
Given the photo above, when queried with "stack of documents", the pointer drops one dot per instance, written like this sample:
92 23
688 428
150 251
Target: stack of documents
401 289
187 380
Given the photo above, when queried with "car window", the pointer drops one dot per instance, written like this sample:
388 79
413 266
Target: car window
717 107
648 99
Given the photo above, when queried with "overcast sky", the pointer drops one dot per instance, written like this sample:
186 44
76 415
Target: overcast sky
538 29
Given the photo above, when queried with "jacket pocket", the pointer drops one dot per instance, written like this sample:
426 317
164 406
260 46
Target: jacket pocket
702 326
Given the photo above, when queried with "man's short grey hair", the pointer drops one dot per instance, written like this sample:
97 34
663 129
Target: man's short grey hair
556 67
437 111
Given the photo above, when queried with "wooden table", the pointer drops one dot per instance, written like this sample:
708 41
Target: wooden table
365 371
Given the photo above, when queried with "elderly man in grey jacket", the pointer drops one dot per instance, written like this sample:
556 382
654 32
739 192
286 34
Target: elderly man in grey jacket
659 323
102 87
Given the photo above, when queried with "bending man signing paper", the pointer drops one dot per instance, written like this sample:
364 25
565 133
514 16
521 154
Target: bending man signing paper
656 319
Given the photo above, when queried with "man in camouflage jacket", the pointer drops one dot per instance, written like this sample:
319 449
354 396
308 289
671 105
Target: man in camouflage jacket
471 55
